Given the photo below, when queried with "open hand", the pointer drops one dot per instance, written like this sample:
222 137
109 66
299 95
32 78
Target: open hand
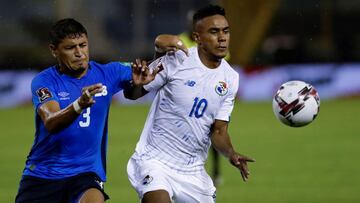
86 99
141 73
240 162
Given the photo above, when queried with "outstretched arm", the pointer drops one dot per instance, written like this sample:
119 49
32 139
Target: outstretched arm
222 143
56 119
166 43
141 75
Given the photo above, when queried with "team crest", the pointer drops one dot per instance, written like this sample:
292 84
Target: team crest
43 94
221 88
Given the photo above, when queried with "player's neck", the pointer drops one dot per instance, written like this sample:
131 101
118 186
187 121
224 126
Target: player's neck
209 61
71 72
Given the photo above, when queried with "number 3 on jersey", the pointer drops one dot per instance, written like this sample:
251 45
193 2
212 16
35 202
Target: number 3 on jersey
85 115
198 107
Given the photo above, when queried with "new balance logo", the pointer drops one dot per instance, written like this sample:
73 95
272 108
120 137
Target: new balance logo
190 83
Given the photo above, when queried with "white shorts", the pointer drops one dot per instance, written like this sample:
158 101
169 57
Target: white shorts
150 175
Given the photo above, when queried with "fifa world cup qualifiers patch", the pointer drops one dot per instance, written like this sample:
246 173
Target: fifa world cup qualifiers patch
43 94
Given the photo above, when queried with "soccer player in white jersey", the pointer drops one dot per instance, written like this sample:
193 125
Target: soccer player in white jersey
194 99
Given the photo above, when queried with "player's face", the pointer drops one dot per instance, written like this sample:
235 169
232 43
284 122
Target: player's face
212 36
72 53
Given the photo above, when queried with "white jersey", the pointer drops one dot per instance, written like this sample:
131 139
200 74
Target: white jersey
189 98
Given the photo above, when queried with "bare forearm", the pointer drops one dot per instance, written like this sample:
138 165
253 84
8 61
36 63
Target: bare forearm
55 121
222 143
134 92
168 43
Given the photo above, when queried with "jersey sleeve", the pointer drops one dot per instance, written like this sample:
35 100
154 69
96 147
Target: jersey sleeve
119 74
42 90
224 112
168 64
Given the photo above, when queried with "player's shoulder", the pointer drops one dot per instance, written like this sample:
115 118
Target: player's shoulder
111 64
179 56
229 70
46 74
171 62
110 68
227 66
231 75
173 58
184 61
44 79
192 54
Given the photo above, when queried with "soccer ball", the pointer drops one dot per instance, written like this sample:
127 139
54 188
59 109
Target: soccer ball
296 103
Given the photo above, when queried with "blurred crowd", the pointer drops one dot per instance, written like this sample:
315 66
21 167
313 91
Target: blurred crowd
309 31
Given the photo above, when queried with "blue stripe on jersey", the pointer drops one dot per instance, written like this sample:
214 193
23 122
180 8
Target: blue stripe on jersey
80 147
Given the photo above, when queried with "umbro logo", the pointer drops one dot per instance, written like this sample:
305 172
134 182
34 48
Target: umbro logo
190 83
64 95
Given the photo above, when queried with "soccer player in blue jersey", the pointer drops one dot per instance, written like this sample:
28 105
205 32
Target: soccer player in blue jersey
67 162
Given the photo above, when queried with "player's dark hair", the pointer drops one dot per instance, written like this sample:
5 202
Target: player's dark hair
207 11
67 27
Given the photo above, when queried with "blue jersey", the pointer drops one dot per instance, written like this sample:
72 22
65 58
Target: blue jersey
80 147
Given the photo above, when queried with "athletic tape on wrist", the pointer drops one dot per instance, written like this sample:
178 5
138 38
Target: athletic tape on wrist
77 107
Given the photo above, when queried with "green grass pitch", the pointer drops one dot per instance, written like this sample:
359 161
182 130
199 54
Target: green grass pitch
314 164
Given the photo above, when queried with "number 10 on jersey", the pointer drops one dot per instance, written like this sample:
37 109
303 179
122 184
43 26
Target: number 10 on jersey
198 107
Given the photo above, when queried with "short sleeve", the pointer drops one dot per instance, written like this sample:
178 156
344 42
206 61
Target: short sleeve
168 65
224 112
118 74
42 91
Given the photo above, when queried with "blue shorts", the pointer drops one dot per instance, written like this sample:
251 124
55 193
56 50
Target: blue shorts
34 189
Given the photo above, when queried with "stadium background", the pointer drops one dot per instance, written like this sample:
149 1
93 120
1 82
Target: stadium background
272 41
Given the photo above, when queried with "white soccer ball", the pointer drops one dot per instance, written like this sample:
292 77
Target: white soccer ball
296 103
